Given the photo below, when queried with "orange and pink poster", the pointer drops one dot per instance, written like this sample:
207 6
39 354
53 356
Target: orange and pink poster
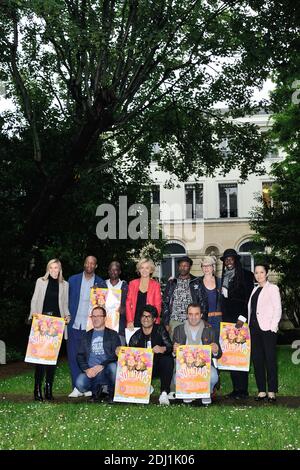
98 296
193 365
110 299
236 347
45 340
134 375
112 306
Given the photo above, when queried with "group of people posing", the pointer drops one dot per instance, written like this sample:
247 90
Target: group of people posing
189 311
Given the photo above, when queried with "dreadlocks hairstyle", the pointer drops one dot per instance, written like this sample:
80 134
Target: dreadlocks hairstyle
239 274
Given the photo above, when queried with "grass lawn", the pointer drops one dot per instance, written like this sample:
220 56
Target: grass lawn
30 425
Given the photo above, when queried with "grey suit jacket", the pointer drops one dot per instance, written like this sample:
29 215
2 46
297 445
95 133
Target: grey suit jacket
38 298
208 336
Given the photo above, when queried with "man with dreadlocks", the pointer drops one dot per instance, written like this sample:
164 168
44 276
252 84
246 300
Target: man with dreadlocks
237 285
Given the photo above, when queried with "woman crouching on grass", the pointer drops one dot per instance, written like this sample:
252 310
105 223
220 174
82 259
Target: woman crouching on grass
51 296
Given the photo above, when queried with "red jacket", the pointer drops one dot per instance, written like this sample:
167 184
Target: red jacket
153 298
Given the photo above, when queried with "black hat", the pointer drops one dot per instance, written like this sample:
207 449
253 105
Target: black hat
150 309
185 259
229 252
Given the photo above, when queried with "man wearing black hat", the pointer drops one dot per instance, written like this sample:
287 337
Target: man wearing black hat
237 285
179 293
157 338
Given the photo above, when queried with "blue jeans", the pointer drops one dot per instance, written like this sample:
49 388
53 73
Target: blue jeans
215 323
106 377
213 378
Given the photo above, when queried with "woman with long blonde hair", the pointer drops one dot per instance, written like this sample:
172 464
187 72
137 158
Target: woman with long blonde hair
50 297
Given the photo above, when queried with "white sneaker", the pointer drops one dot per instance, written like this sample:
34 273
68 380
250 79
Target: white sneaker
163 399
188 400
151 390
88 394
206 401
75 393
172 396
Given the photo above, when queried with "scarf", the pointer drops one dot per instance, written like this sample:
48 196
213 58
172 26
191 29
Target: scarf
228 275
188 333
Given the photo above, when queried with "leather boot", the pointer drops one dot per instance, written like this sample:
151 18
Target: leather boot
38 379
38 396
48 391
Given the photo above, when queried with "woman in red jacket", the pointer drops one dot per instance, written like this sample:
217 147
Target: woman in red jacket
142 291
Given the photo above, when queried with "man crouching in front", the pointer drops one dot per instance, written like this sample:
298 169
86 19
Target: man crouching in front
97 357
196 331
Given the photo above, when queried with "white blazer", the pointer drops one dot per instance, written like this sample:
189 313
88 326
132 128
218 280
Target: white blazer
268 307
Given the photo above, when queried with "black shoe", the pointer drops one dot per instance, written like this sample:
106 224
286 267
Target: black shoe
272 399
48 391
37 393
258 398
242 395
99 393
109 400
232 394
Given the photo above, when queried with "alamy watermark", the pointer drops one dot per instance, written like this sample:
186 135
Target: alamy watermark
296 354
139 222
296 94
2 89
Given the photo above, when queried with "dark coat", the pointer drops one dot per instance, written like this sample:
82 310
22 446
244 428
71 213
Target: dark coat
111 341
238 296
196 293
159 337
209 336
204 294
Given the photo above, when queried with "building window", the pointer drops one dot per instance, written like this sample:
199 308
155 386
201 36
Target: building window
155 194
228 200
266 194
273 153
169 268
194 201
246 253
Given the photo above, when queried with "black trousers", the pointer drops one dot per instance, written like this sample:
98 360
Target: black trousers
163 368
239 381
41 370
263 352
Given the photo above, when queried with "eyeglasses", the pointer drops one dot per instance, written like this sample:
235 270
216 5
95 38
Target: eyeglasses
146 317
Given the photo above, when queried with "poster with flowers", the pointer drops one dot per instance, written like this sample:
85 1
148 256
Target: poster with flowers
45 340
134 375
236 347
193 363
112 306
98 296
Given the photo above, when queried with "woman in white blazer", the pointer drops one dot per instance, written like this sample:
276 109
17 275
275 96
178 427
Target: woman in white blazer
51 296
264 313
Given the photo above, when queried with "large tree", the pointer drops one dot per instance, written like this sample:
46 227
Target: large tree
132 72
96 83
277 220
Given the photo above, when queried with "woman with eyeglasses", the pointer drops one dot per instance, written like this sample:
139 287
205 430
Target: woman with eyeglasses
211 291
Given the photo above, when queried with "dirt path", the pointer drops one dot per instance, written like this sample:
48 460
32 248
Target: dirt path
14 368
18 368
288 401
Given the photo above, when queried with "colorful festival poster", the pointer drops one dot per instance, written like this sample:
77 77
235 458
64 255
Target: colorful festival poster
193 365
236 347
45 340
112 306
134 375
98 296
